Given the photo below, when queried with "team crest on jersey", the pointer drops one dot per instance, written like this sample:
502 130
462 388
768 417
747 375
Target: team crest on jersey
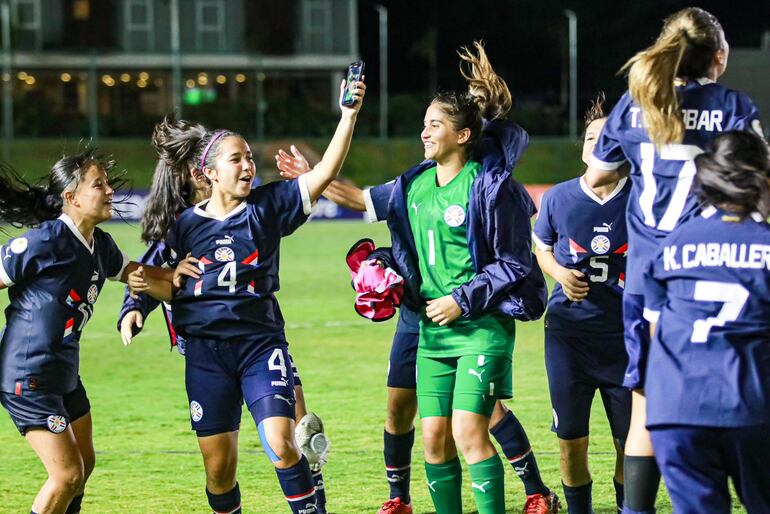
93 293
196 411
57 424
18 245
224 254
454 215
600 244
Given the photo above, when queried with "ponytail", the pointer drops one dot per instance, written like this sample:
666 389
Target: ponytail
734 174
684 49
26 205
487 88
184 148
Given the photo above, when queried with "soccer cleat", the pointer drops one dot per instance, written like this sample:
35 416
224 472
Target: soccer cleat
311 440
395 506
541 504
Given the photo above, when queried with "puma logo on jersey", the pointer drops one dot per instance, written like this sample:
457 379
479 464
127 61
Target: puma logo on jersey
281 383
430 485
310 508
480 487
95 276
606 227
227 240
476 374
415 206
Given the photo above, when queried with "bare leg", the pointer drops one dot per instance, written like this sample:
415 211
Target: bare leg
61 457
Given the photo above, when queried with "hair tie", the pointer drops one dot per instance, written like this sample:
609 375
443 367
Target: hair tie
217 135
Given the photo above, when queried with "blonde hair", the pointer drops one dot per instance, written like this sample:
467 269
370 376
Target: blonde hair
685 48
488 89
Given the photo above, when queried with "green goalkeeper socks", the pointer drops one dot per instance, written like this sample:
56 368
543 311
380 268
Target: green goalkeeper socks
445 484
487 485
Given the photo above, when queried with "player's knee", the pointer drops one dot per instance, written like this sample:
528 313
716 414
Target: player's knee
469 436
574 449
69 480
280 447
401 419
437 442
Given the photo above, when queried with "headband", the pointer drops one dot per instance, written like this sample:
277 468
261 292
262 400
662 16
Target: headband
217 135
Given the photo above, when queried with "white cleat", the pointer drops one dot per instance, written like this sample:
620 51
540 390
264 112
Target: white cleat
311 440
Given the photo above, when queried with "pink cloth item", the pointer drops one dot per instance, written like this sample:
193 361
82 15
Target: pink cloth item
378 290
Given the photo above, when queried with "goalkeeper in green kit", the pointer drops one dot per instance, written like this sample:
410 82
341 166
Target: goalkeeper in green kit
460 230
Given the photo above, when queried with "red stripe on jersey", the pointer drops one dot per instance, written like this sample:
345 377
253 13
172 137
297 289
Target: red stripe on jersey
73 297
576 247
204 260
622 249
251 258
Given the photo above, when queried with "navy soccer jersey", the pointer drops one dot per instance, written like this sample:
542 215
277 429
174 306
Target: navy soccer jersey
708 289
588 234
55 277
238 254
661 199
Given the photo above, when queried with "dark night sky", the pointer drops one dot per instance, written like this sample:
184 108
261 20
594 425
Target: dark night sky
527 39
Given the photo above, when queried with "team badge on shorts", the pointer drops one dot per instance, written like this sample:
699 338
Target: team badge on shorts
224 254
196 411
600 244
57 424
18 245
93 293
454 215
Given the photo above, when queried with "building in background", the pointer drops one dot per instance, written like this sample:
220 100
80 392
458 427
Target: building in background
112 68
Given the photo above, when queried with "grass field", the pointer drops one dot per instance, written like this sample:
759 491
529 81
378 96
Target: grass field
147 457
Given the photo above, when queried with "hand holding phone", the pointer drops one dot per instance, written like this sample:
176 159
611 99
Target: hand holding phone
355 72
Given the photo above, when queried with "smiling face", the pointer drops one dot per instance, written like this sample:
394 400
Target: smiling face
592 134
92 198
439 137
233 169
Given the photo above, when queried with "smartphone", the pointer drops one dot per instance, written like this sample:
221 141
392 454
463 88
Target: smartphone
355 72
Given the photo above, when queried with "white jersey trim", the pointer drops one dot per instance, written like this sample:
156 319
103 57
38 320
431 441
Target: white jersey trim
604 165
651 315
589 192
541 245
4 276
74 229
304 192
200 210
117 276
371 213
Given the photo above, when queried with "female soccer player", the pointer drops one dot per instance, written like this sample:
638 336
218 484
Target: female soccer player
170 194
55 273
502 143
235 344
707 298
673 108
581 241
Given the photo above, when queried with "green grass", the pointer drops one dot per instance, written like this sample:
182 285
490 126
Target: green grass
370 161
147 457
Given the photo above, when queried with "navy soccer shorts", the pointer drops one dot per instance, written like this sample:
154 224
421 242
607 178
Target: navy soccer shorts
696 463
578 365
41 409
221 375
636 332
402 368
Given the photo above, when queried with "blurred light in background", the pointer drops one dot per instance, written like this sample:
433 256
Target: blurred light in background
65 77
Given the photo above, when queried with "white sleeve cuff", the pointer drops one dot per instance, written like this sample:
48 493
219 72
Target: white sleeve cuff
304 192
4 276
603 165
651 315
541 245
371 214
117 276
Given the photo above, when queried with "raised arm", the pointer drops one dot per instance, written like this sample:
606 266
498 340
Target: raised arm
327 169
343 193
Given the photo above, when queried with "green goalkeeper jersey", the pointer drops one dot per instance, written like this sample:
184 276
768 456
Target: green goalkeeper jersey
438 219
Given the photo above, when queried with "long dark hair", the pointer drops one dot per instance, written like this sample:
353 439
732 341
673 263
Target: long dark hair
180 145
25 204
734 174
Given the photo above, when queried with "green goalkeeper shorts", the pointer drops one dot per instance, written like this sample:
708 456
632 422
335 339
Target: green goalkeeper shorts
471 383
